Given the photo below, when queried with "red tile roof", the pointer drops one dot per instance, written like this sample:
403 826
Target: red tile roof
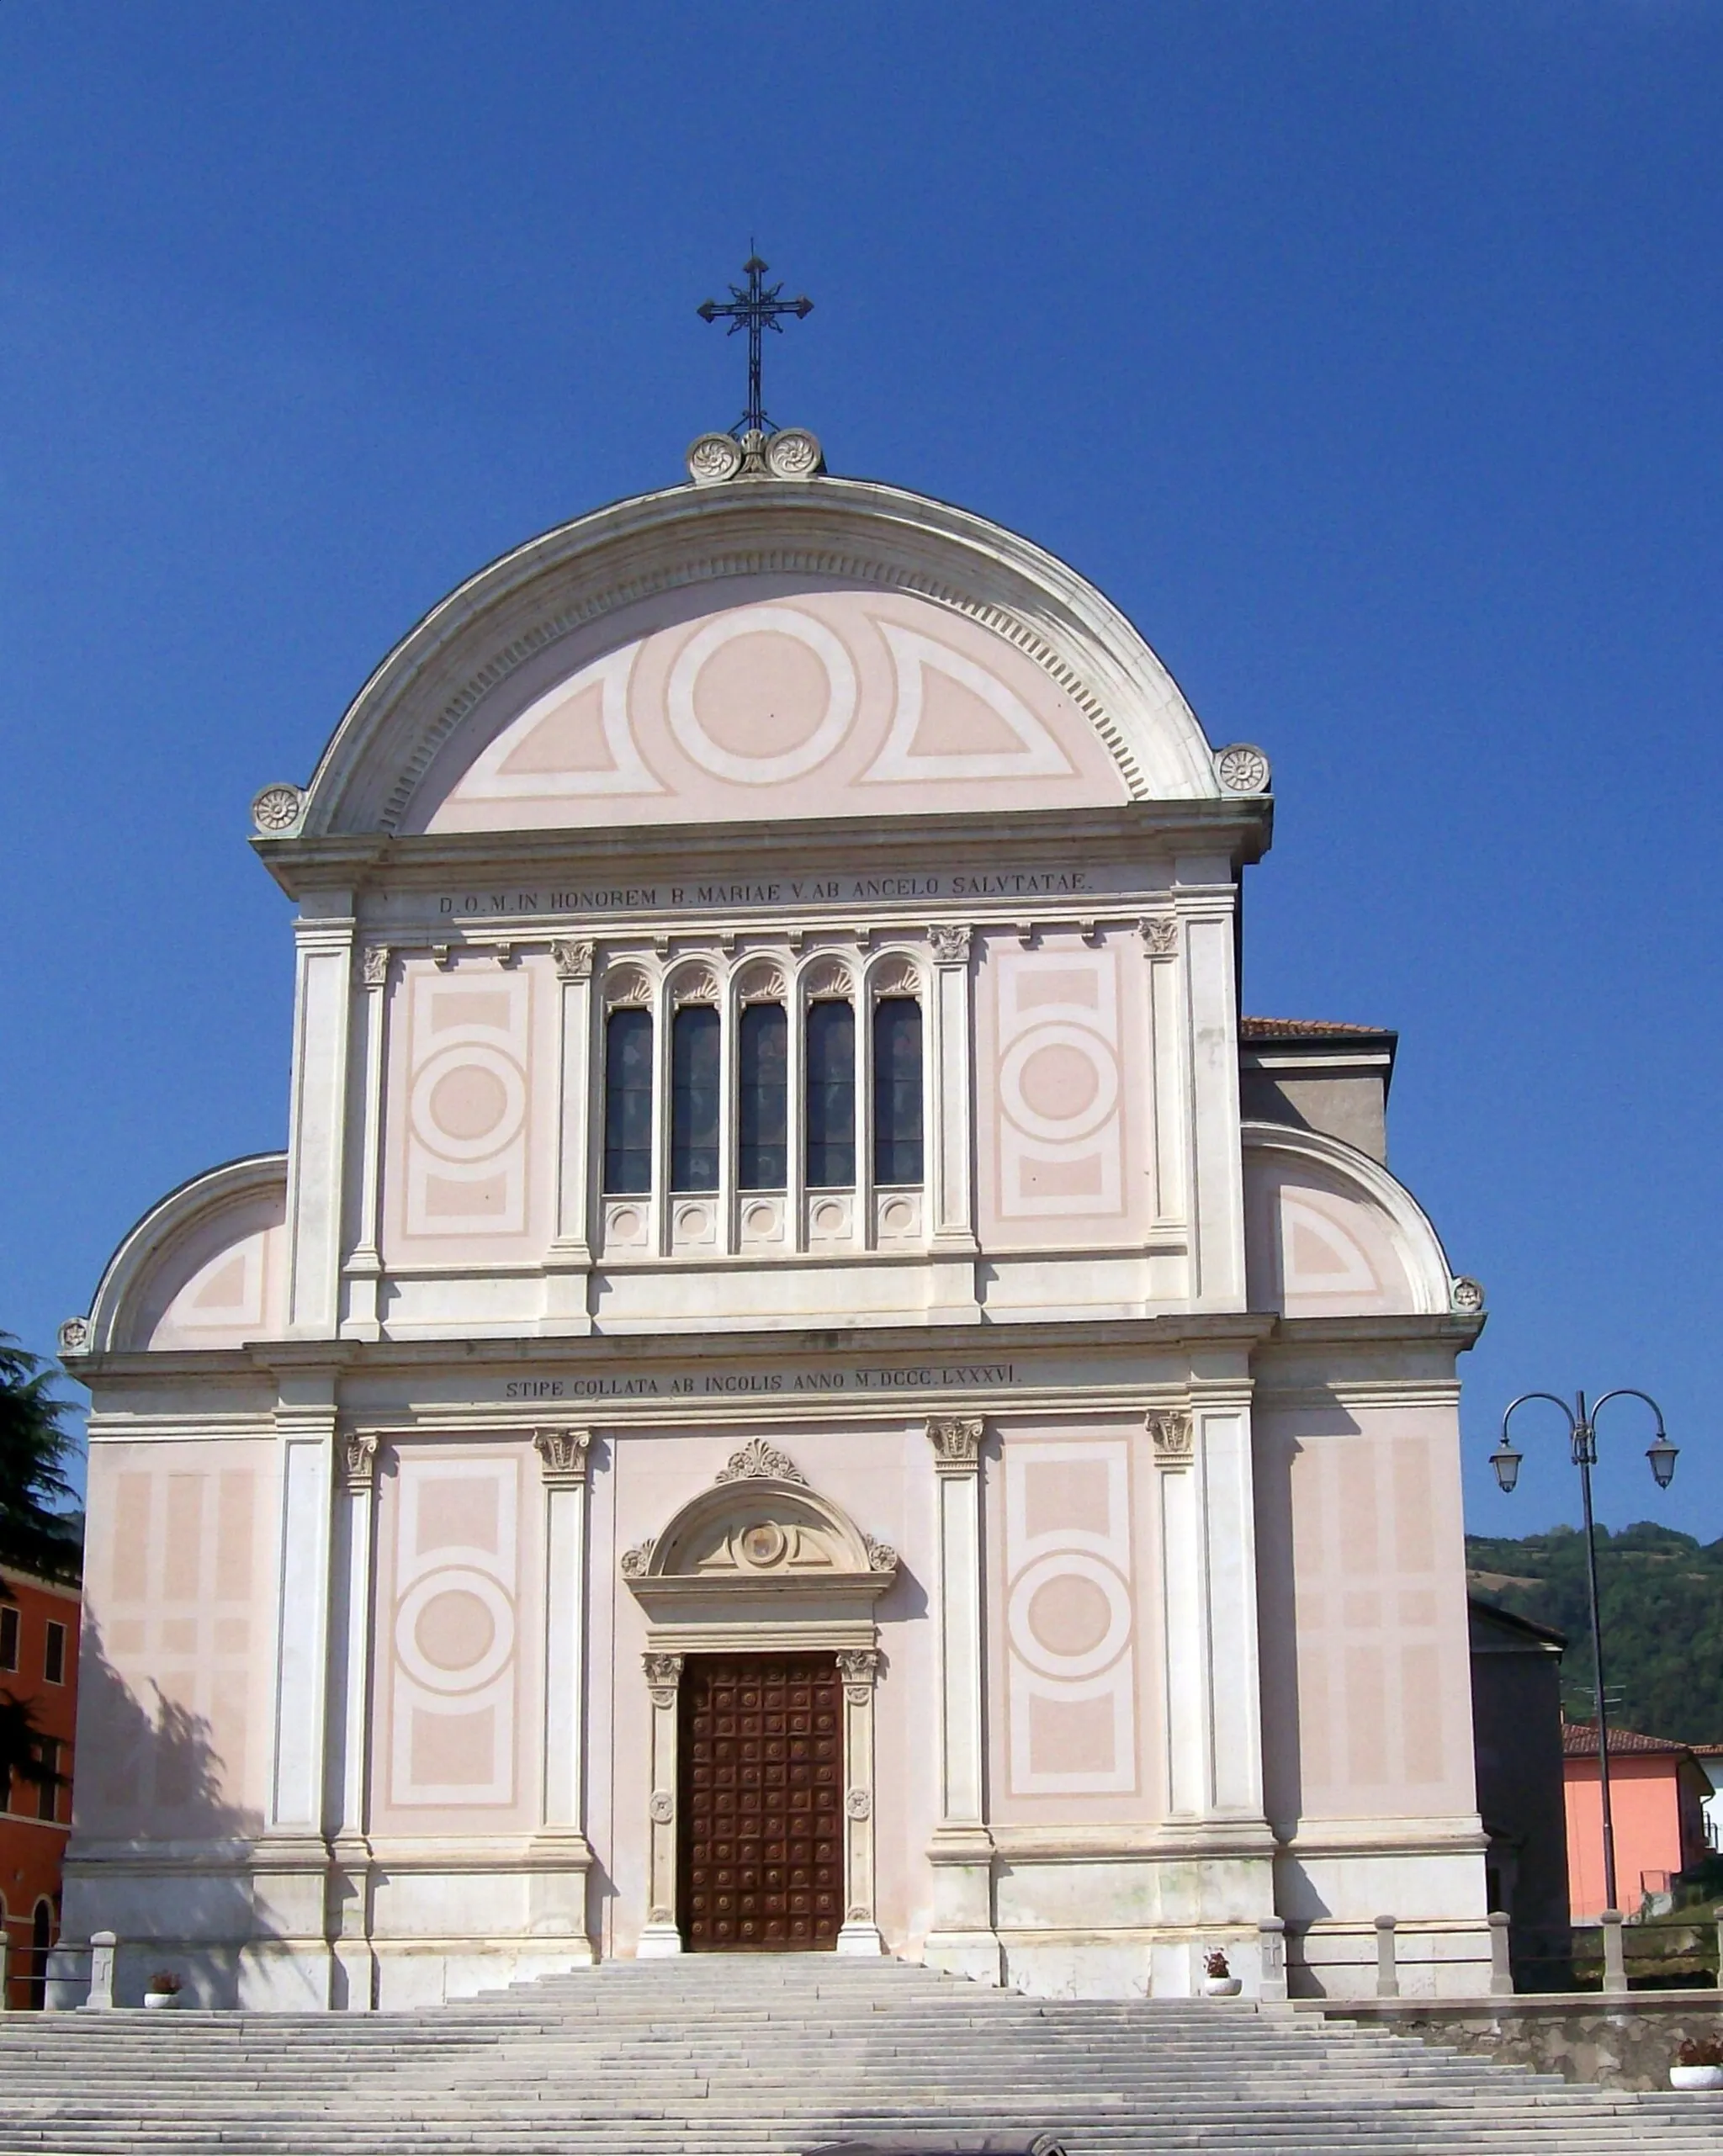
1305 1029
1579 1741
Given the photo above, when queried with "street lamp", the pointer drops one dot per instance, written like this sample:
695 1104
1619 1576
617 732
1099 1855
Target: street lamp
1582 1430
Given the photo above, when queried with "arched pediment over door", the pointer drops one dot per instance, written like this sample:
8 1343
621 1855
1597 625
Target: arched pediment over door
760 1559
760 1564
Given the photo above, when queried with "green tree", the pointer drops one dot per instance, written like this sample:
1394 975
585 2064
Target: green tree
36 1535
1660 1598
24 1748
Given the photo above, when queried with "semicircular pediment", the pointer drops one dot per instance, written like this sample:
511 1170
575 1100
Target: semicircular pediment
775 696
832 648
761 1528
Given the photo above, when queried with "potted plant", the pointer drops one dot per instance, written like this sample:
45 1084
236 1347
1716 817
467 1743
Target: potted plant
163 1989
1218 1981
1698 2065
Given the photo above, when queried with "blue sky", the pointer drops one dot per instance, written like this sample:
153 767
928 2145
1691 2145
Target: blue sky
1368 354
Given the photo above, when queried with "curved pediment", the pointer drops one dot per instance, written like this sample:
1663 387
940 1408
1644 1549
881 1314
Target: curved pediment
824 647
761 1530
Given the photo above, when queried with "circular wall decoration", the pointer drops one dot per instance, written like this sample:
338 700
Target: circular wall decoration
771 769
440 1635
468 1102
1067 1645
1058 1081
762 1543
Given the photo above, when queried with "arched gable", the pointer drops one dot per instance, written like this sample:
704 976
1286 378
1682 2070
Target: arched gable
759 1543
825 647
1329 1232
204 1267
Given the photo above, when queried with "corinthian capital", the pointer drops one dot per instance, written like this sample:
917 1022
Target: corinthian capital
957 1444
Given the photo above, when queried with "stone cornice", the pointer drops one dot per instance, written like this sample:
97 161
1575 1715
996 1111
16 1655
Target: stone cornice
1239 826
592 1353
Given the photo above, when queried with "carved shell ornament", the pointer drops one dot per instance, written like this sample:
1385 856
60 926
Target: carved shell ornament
626 987
829 976
276 809
763 984
694 984
1243 768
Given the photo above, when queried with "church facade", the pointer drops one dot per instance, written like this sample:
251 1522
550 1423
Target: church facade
803 1381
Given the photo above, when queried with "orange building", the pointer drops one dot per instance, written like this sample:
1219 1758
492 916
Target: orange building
38 1629
1658 1791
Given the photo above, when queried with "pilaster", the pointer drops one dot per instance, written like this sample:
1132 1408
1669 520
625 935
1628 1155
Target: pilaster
1208 917
362 1273
962 1938
288 1963
950 1122
859 1668
317 1119
350 1886
569 1261
659 1935
1210 1677
564 1858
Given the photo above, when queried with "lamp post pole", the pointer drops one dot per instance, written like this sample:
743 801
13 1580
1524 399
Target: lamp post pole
1582 1431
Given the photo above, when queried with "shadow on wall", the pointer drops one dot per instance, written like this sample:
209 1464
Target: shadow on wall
148 1771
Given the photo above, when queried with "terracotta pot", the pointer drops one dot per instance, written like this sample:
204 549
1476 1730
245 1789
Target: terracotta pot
1696 2077
1223 1987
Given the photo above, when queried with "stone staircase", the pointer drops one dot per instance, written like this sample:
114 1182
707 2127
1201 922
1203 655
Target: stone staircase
764 2055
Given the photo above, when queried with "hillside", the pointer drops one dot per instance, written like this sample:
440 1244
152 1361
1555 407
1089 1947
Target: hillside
1661 1596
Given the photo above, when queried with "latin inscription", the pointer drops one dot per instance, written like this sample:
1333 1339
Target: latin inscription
907 1377
831 890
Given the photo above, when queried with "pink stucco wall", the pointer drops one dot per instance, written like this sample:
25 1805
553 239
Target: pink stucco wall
1646 1805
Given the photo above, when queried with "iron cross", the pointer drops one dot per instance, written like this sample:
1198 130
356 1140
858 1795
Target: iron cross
754 309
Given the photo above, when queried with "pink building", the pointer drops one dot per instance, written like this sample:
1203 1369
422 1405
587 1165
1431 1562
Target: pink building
1657 1798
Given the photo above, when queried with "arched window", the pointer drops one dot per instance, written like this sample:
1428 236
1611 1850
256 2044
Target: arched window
693 1099
896 1090
762 1096
831 1096
627 1101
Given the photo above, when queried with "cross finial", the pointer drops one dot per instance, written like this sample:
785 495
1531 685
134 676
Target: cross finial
754 307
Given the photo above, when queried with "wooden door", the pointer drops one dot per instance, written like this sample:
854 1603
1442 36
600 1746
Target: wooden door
760 1843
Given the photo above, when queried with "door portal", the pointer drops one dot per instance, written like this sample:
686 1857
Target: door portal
760 1843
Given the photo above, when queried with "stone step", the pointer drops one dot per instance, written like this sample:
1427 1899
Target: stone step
767 2057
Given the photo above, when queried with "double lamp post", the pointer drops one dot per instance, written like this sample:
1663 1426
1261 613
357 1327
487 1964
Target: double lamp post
1582 1427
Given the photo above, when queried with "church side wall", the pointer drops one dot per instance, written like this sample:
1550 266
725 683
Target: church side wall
1370 1783
176 1696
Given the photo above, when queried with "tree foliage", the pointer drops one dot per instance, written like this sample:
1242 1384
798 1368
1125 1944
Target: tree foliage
36 1533
1660 1594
